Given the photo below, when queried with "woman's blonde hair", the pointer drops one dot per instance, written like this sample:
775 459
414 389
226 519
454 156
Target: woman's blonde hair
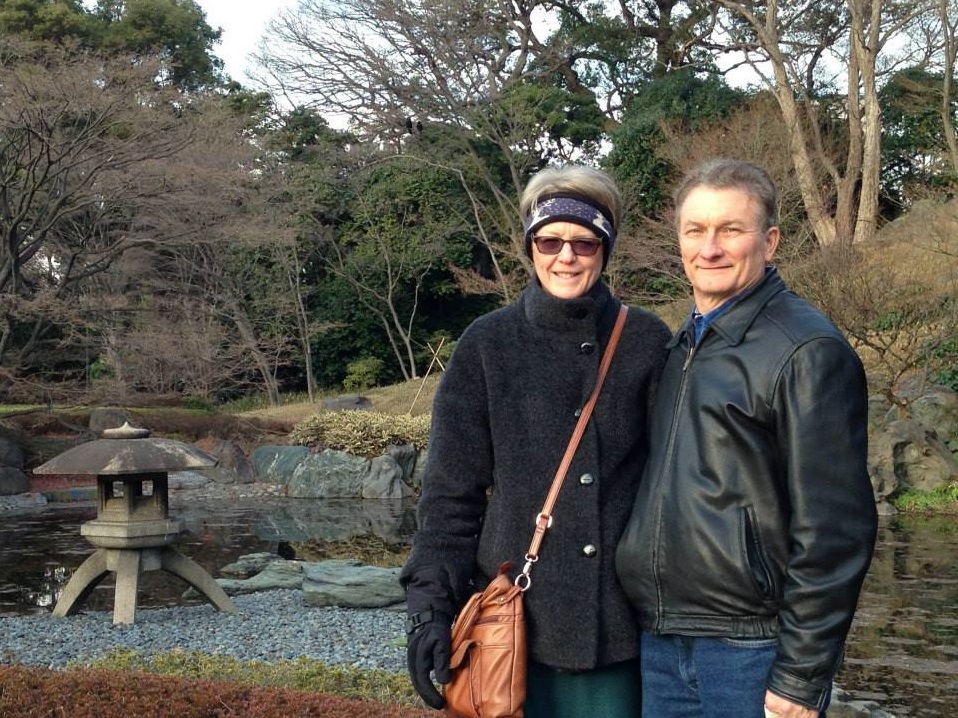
589 182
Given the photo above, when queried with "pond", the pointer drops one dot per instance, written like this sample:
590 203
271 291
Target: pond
40 549
903 649
902 653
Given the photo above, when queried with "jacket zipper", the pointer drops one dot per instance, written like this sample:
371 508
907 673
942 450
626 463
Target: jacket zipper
673 429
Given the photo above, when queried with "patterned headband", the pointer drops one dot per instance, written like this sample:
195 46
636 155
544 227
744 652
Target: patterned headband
571 207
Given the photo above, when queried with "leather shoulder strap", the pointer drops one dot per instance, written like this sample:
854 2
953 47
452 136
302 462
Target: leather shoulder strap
544 519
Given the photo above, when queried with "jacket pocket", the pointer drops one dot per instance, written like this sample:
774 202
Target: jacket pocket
756 558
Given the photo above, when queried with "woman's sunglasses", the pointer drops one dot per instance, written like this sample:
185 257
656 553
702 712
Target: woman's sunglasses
553 245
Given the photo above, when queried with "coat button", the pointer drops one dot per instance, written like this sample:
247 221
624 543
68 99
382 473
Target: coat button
586 479
589 550
586 348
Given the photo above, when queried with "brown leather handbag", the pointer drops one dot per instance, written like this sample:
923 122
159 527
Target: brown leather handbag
489 648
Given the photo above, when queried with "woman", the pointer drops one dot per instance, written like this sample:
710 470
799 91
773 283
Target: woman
503 415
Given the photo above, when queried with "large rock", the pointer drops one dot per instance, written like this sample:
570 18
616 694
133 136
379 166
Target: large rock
279 574
384 480
406 456
344 583
329 474
937 408
13 481
232 465
276 464
336 474
416 480
347 403
351 584
908 455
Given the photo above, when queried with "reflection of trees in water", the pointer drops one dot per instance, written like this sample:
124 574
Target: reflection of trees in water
46 593
905 637
367 548
39 551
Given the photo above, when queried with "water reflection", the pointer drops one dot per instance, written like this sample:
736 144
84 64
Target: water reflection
39 550
902 653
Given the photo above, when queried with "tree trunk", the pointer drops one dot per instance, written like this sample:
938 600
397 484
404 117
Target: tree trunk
248 335
865 44
950 51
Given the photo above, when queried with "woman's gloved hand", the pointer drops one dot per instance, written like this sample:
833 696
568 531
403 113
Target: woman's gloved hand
431 608
428 651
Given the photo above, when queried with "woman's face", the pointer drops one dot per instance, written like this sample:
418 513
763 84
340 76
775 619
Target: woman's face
567 275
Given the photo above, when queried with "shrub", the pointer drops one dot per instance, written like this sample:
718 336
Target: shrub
943 499
363 433
302 674
363 373
941 358
32 692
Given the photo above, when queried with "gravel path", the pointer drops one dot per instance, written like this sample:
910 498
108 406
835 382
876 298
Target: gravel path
268 626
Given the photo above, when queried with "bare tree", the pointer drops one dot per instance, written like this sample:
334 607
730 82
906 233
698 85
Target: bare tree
799 50
458 85
948 19
97 159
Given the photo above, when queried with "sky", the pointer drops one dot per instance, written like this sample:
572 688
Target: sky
243 23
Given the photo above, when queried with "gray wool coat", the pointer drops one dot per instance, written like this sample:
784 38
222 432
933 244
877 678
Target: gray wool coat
503 415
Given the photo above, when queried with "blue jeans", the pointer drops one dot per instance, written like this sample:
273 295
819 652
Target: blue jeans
689 677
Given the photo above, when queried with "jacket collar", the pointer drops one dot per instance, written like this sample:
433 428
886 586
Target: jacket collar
733 325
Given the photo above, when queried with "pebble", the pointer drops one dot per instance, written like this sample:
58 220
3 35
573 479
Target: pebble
268 626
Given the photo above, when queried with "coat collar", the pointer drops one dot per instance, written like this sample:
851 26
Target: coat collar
544 310
735 322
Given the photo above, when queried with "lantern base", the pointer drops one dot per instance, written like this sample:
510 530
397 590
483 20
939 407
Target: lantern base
129 565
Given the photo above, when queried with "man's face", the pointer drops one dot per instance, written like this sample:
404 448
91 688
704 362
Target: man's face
723 244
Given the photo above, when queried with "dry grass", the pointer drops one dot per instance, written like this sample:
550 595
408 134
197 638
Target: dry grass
411 397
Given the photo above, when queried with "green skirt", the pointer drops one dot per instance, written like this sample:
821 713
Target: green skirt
609 692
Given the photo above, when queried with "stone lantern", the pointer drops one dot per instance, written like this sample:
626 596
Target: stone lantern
133 530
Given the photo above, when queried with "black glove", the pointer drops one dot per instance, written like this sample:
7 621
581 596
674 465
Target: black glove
428 650
431 607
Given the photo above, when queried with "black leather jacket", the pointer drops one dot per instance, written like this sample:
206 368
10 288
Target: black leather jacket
755 516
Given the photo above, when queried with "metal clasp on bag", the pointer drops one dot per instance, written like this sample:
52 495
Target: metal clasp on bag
524 580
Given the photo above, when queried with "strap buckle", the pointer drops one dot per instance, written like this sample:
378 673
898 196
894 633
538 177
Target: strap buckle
418 620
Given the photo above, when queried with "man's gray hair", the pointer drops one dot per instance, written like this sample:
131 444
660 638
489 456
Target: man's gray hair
731 174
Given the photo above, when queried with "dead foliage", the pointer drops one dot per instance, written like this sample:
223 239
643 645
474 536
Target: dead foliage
32 692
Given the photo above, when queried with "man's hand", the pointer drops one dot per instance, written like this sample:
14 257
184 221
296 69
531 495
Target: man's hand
778 707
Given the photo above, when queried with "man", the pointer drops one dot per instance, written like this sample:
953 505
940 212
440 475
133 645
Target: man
755 521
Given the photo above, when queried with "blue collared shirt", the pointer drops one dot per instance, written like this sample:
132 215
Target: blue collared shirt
701 322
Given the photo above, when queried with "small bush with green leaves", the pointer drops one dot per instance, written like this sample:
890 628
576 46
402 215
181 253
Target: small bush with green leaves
943 499
940 356
362 433
363 373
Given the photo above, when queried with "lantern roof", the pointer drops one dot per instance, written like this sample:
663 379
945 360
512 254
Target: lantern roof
127 450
